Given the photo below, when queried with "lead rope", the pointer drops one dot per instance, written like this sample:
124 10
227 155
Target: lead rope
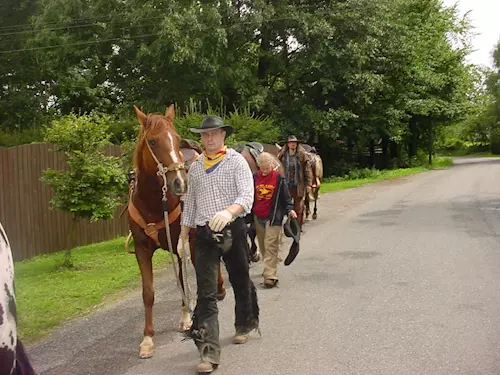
185 292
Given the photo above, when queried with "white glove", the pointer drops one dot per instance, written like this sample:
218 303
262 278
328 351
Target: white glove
220 220
183 246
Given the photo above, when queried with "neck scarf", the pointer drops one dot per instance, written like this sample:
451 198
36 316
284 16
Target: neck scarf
211 162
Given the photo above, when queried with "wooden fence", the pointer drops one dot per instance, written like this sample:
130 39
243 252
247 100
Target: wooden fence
32 226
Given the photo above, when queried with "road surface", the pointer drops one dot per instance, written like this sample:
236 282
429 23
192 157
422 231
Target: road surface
397 277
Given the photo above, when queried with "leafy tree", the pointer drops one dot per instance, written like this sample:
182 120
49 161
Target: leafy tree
93 183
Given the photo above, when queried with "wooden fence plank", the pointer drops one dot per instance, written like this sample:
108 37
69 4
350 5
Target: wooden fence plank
32 227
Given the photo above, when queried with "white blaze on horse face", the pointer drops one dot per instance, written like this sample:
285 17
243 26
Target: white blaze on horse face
176 159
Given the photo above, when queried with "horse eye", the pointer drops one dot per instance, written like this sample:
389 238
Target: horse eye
152 142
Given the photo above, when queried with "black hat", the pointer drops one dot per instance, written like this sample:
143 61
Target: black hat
210 123
292 229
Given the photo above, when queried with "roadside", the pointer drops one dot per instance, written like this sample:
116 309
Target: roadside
47 295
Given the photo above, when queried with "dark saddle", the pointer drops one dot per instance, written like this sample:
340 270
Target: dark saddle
255 149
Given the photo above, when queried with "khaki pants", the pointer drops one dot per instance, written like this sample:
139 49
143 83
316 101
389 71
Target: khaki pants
269 238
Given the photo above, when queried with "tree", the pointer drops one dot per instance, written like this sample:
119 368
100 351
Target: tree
93 183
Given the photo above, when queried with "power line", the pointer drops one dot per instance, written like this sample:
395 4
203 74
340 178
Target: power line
92 19
73 27
125 38
80 43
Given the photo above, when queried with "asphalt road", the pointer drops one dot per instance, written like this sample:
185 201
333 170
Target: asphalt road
398 277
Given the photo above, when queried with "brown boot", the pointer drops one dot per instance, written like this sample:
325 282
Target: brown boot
205 367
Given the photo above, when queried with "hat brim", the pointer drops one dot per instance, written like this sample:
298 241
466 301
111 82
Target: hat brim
292 254
292 229
227 128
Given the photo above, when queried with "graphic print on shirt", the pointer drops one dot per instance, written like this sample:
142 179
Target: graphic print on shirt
264 191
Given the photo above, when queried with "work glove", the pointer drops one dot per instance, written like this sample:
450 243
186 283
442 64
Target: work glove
220 220
183 246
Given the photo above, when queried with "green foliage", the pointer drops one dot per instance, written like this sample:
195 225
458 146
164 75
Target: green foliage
18 137
357 71
92 184
248 127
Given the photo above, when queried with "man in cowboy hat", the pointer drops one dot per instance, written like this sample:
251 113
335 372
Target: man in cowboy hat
220 192
298 173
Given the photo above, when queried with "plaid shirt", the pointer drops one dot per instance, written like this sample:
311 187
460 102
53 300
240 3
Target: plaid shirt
208 193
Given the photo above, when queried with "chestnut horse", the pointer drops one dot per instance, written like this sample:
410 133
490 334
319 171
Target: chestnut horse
160 181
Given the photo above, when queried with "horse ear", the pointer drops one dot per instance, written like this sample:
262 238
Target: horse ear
141 116
170 112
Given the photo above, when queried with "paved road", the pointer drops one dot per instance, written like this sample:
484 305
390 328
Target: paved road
399 277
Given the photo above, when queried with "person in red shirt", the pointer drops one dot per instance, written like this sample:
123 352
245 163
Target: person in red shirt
272 202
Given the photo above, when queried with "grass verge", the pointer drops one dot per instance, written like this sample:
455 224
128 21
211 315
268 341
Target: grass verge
365 176
48 295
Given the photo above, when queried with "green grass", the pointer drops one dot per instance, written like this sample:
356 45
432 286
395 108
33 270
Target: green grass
48 295
365 176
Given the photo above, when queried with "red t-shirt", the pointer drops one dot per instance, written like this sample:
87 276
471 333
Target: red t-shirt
264 192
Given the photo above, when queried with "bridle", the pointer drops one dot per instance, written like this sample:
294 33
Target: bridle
185 292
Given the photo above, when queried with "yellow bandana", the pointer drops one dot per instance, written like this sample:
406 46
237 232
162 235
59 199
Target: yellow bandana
210 162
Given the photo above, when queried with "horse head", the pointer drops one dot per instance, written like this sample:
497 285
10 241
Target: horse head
158 150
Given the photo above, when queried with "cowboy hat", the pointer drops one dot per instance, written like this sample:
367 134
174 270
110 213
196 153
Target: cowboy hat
292 138
292 229
210 123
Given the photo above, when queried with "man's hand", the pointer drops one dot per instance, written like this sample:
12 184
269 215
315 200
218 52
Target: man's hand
220 220
183 246
292 214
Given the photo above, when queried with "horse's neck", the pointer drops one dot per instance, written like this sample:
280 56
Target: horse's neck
148 196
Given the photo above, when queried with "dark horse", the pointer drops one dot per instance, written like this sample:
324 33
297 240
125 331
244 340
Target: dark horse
158 147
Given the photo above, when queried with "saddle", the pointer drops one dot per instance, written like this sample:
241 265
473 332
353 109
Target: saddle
255 149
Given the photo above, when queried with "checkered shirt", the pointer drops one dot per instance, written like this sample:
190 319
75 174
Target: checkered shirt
208 193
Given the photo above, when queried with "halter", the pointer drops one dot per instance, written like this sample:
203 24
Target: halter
185 292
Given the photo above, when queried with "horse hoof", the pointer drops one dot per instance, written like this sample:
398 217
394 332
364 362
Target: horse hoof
185 326
315 216
221 294
146 348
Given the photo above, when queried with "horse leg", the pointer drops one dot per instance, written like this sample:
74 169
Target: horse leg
185 321
221 291
254 252
144 256
307 208
315 214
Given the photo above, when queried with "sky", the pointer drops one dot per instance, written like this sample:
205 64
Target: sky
485 17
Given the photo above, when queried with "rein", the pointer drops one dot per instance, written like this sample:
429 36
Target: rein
185 292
